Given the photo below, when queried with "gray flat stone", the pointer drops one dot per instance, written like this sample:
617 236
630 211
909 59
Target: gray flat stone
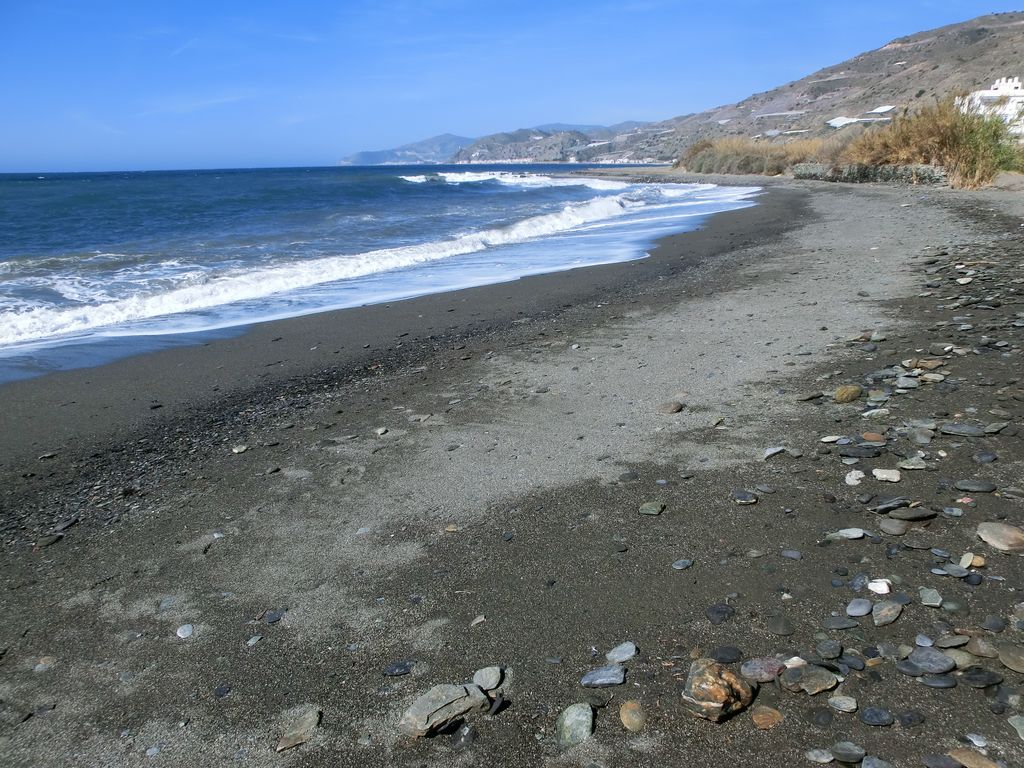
931 661
603 677
886 612
961 430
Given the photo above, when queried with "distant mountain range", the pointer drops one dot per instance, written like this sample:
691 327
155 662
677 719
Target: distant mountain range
871 86
438 149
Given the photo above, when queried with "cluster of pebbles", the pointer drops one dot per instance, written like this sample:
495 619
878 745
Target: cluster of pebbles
930 479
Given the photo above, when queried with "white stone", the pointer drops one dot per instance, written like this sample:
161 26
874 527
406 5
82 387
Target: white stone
887 475
853 477
880 586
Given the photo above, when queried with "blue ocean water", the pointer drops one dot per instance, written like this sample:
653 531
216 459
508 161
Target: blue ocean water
97 265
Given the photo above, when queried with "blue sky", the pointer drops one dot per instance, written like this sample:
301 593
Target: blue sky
146 85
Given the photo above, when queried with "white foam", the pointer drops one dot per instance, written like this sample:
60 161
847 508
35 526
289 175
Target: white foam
208 291
414 179
530 180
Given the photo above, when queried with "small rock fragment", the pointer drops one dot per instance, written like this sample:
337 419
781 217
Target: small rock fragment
301 723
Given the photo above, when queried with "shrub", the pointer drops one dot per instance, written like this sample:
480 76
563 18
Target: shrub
757 156
971 146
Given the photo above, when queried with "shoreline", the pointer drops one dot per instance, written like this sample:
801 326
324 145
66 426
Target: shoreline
476 504
102 405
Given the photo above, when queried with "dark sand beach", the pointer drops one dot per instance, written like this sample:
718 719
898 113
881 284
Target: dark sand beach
454 481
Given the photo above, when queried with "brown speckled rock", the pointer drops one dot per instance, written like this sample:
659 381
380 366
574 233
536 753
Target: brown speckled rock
714 692
1008 538
847 393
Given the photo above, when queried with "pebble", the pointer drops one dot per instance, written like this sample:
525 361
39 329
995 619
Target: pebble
300 727
821 756
488 678
1002 536
854 476
632 715
761 670
940 761
829 649
880 586
840 622
971 759
185 631
887 475
847 393
910 718
399 668
811 679
914 463
1012 656
719 613
930 597
848 752
859 606
791 554
574 725
743 497
930 660
682 565
979 677
766 718
994 623
622 652
886 612
975 486
876 716
961 430
780 625
874 762
843 703
652 508
939 681
603 677
893 527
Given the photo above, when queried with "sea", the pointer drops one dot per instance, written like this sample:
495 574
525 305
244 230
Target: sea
97 266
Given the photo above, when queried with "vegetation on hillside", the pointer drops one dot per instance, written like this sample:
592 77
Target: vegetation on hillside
972 147
738 154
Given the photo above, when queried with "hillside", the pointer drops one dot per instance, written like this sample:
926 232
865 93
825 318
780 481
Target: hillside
964 56
907 71
437 149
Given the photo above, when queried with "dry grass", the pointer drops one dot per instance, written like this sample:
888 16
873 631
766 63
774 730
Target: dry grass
972 147
759 156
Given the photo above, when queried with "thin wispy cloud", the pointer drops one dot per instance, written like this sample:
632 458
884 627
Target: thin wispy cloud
95 124
188 106
192 43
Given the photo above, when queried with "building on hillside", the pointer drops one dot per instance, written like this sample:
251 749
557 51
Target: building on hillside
1006 99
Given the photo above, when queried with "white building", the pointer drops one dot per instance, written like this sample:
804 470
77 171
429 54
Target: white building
1006 99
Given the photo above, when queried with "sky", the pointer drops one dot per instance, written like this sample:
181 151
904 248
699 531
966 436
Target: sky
225 84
